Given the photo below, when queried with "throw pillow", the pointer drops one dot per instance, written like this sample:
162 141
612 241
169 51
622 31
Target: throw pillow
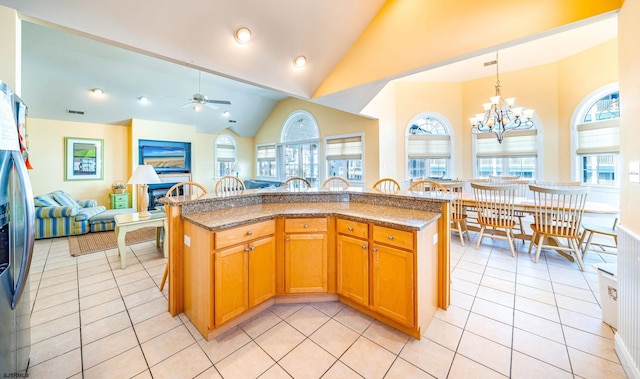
45 201
65 199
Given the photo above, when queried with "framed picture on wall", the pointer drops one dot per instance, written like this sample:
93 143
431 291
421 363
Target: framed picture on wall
83 158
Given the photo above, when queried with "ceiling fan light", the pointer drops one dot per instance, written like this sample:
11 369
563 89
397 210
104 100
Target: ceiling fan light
143 99
242 34
97 91
226 113
197 107
300 61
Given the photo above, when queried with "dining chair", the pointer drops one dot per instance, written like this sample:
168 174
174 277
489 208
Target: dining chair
542 183
589 230
558 214
335 183
458 212
193 189
387 185
495 205
296 184
503 178
425 185
229 184
187 189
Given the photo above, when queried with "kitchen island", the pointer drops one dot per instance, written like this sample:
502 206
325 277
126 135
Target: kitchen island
386 255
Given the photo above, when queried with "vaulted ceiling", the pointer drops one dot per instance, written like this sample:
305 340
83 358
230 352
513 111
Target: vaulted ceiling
157 49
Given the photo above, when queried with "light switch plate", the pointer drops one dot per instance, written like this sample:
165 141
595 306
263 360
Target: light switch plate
634 172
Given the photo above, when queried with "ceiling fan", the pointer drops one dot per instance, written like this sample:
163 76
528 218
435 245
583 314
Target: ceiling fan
198 101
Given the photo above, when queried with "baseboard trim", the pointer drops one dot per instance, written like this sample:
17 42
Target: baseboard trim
625 358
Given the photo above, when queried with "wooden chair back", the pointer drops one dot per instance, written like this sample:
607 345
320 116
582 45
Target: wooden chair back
190 189
559 185
558 211
495 204
229 184
335 183
296 184
503 178
425 185
387 185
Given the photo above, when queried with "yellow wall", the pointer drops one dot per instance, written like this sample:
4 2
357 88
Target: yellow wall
409 35
629 58
331 122
553 90
10 41
47 156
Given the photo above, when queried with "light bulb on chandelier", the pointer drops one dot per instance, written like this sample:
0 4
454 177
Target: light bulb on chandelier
500 116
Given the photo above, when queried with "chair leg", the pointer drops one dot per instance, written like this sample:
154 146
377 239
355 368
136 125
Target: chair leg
480 237
511 241
587 245
459 225
466 229
539 248
533 241
164 276
576 251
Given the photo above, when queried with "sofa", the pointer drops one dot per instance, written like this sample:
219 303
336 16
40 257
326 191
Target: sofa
59 215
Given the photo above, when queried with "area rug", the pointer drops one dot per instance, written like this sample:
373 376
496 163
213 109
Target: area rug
99 241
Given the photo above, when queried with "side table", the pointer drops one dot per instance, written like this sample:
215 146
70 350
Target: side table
132 221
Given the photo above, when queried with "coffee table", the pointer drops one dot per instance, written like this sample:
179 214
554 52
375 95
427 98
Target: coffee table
132 221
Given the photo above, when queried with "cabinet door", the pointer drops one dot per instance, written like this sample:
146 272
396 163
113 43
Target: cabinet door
231 283
353 269
392 289
305 263
262 270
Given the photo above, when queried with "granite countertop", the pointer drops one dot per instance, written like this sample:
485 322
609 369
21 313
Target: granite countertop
387 216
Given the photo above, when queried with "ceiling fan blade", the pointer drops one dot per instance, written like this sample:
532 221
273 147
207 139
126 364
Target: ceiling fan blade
209 105
187 104
223 102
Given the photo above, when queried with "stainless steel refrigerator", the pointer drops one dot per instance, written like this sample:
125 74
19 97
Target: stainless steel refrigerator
16 240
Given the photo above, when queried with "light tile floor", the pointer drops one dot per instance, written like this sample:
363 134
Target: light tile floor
509 317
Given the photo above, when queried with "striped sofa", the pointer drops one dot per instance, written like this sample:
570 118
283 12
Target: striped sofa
59 215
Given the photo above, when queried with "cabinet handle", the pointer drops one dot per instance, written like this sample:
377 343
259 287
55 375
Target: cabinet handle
246 249
306 226
286 239
375 249
391 236
252 248
350 228
249 233
364 246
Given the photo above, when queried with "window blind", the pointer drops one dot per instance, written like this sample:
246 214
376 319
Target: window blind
225 153
515 143
429 146
266 153
344 148
599 137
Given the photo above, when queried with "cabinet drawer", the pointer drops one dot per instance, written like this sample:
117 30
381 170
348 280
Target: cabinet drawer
305 225
394 237
244 233
353 228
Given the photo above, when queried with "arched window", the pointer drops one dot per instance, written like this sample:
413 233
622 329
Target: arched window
597 137
428 147
226 155
300 139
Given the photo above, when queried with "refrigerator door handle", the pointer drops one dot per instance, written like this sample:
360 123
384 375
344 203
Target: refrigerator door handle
27 254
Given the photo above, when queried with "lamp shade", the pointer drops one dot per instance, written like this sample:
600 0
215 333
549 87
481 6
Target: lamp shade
144 174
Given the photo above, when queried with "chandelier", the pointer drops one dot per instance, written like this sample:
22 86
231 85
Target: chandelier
500 116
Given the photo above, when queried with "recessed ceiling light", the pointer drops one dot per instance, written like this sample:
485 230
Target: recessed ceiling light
300 61
242 34
97 91
143 99
197 107
226 113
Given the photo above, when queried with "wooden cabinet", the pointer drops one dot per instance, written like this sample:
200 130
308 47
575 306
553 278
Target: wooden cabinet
245 271
119 200
380 277
353 269
305 255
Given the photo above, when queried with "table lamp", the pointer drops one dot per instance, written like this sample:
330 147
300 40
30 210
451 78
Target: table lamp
144 174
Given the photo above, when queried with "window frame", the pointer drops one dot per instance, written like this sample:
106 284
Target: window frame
327 160
216 173
449 161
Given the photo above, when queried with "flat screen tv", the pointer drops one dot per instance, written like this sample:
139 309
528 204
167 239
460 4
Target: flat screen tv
165 156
